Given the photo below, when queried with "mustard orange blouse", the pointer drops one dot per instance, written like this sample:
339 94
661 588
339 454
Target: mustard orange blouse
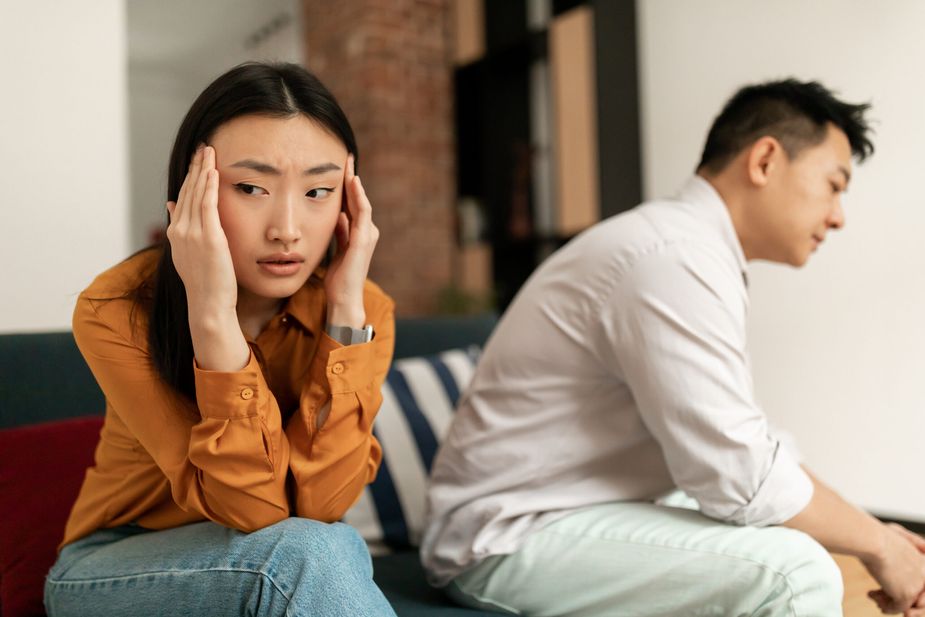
247 453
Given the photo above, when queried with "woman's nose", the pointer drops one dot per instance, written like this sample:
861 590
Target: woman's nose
282 225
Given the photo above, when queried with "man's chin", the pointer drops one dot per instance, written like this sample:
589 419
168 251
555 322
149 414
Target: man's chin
799 261
794 261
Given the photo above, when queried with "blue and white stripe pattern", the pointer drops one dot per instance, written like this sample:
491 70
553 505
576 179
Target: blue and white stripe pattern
418 399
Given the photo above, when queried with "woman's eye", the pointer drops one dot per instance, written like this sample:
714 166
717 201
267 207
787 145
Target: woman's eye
319 193
249 189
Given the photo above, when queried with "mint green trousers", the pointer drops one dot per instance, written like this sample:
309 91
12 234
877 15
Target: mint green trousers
641 559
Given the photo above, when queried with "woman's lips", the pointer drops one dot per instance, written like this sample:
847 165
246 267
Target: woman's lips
277 268
282 264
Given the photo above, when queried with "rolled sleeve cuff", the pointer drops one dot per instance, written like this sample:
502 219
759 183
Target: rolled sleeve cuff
225 395
347 368
785 492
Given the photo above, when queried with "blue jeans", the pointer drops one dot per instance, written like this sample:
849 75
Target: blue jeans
296 567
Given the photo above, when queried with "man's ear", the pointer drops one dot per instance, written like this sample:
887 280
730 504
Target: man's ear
763 159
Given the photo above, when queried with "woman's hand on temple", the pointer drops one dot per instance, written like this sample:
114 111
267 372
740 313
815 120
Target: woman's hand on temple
197 241
202 258
356 237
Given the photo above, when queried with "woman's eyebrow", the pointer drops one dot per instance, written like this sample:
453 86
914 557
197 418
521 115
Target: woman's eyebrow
266 168
320 169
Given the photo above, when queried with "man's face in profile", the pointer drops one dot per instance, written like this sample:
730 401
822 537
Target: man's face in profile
804 199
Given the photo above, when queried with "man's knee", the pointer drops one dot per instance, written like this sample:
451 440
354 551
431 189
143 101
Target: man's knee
808 555
809 572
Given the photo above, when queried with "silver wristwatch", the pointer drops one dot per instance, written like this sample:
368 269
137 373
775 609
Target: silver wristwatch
345 335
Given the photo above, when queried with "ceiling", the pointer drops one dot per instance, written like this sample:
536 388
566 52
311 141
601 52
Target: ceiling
205 36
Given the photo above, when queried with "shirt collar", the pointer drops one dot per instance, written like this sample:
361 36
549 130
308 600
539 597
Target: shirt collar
307 305
698 190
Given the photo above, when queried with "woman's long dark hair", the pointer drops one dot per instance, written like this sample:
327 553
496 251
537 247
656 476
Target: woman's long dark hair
278 90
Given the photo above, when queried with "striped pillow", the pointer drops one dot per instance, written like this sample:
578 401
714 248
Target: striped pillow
418 399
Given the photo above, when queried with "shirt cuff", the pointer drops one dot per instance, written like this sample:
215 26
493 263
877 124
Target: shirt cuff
225 395
785 492
347 368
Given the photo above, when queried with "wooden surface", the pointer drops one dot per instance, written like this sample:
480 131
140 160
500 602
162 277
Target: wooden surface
574 89
857 583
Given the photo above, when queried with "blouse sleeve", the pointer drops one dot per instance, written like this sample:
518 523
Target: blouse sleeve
330 466
225 456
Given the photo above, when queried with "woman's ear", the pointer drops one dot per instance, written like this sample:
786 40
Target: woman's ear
763 160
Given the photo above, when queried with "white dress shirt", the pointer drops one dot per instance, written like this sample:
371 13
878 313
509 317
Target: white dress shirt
619 372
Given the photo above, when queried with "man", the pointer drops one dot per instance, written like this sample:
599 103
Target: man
620 374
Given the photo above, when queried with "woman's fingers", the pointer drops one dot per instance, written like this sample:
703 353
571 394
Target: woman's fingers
349 192
362 227
206 164
359 211
356 237
211 223
198 243
183 199
342 233
181 212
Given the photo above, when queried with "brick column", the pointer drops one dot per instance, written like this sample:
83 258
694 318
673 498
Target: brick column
389 63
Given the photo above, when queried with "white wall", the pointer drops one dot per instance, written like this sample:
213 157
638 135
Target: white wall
839 346
62 155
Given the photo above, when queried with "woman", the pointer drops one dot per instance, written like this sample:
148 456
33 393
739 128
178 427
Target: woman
241 378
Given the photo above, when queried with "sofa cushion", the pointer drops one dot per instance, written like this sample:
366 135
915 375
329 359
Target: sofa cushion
43 378
41 470
417 406
401 578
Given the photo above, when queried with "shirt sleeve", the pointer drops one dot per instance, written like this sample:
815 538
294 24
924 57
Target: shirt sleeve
675 326
332 464
225 456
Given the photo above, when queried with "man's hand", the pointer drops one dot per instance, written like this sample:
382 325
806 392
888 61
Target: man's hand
890 553
900 568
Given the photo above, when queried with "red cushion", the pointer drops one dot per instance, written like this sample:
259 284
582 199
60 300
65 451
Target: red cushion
41 469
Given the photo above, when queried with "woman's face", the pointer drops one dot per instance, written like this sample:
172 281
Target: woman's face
279 196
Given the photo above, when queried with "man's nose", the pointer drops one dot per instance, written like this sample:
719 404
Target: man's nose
837 216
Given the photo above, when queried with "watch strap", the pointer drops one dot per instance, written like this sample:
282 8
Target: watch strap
345 335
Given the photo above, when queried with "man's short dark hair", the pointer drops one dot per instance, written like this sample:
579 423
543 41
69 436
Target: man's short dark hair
795 113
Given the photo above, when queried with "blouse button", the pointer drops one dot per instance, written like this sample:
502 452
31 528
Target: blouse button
247 394
338 368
